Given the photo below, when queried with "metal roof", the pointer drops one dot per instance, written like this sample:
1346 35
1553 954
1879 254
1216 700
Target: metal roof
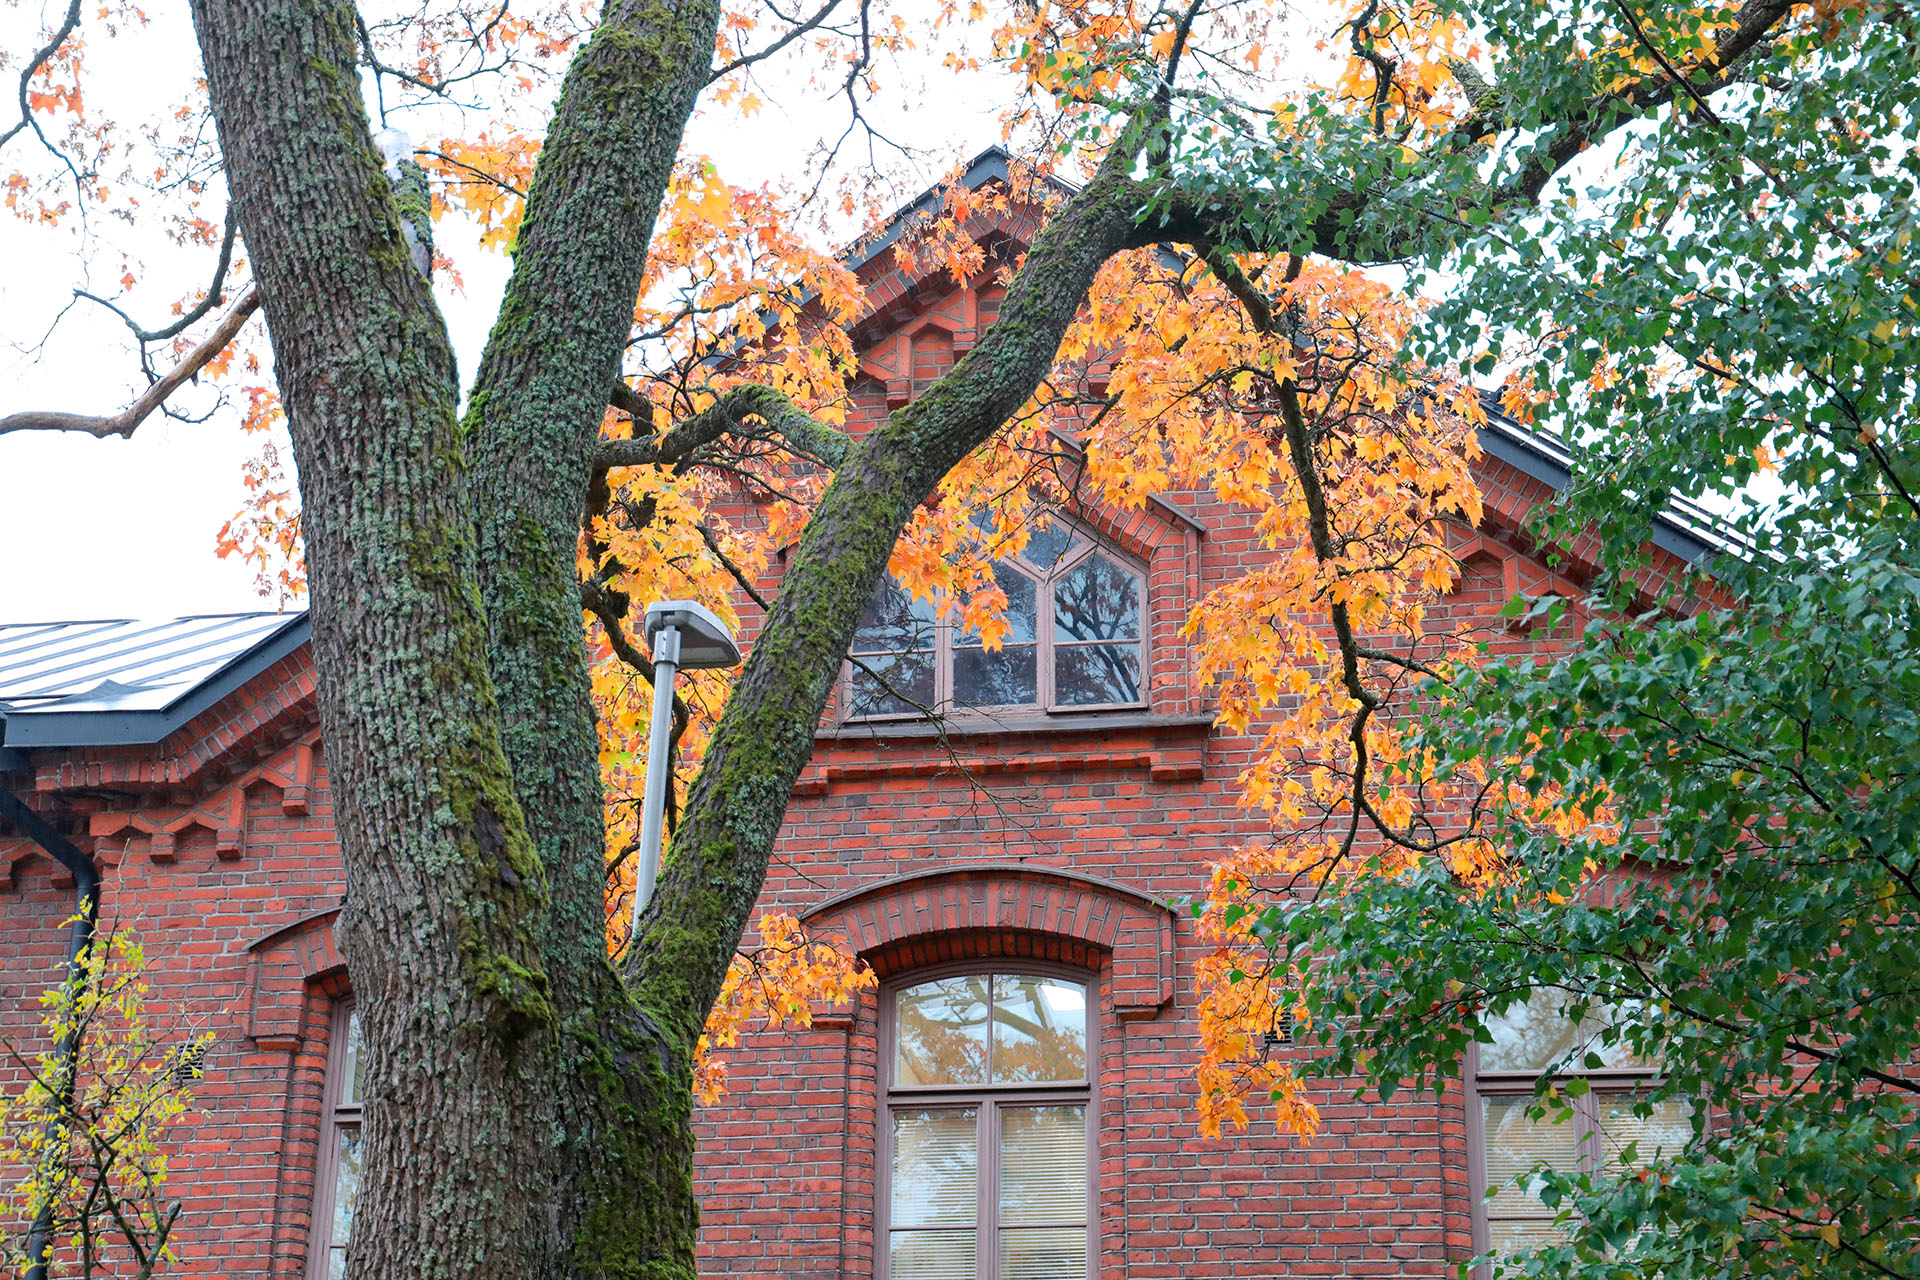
123 681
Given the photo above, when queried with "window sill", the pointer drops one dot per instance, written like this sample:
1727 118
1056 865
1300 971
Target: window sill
974 726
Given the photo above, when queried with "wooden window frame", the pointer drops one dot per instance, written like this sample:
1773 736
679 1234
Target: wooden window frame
1602 1082
1045 704
335 1117
986 1099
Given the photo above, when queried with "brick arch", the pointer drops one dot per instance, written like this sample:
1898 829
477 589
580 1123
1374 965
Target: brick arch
924 917
282 968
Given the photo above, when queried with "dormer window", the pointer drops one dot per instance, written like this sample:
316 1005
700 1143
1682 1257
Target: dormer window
1075 640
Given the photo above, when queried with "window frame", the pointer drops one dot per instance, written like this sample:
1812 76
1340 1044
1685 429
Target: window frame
1602 1082
986 1098
336 1116
1045 703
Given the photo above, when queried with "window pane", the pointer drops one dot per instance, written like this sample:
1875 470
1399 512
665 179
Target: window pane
907 687
894 622
1008 678
931 1255
1537 1034
1046 547
1056 1253
935 1170
940 1032
1514 1144
1093 674
1098 600
1043 1164
1039 1029
1667 1129
346 1183
351 1071
1023 608
1508 1236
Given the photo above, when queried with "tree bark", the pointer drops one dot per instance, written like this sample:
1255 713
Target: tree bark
442 883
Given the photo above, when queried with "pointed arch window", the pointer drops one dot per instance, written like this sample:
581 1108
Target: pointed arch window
1076 639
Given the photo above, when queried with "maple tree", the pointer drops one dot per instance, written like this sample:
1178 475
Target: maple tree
1187 313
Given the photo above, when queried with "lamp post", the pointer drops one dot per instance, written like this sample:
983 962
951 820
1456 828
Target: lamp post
680 634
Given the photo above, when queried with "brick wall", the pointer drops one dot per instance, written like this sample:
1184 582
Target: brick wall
1058 846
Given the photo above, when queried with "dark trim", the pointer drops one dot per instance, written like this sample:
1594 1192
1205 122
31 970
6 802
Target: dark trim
1684 530
991 165
32 729
1026 725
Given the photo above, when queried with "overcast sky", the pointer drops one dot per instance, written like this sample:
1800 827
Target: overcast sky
126 528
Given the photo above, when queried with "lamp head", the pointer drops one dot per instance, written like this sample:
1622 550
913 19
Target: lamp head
704 639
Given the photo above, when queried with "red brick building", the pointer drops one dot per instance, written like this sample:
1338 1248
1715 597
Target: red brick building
1014 1103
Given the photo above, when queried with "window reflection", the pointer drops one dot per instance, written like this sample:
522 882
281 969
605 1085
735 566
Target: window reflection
940 1032
1039 1030
895 647
1096 632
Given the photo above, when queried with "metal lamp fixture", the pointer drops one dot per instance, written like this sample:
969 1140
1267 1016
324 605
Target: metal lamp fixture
680 634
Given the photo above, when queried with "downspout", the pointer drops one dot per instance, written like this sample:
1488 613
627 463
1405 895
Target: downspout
86 917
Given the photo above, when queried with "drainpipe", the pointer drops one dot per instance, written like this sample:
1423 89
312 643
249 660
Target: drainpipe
86 916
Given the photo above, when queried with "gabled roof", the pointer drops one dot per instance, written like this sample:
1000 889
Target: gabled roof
125 682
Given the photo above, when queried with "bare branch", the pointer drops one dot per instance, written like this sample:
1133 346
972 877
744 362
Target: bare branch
124 422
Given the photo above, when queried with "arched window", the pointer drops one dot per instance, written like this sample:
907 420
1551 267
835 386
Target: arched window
1511 1133
986 1139
1076 639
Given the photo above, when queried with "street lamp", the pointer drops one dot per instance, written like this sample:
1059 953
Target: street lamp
681 634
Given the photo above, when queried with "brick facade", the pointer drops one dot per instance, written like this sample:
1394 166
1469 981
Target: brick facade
1059 846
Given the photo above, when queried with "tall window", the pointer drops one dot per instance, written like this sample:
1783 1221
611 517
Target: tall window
337 1185
986 1136
1076 639
1528 1040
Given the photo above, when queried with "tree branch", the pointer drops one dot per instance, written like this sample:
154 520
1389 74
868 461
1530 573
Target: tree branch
124 422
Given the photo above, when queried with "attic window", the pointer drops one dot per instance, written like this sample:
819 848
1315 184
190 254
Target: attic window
1075 640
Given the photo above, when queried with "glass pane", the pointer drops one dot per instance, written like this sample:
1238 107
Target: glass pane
346 1182
337 1263
352 1071
1091 675
935 1157
1667 1129
907 687
1515 1143
1045 547
931 1255
1055 1253
1009 678
940 1032
1537 1034
1023 608
894 622
1098 600
1039 1029
1510 1235
1043 1164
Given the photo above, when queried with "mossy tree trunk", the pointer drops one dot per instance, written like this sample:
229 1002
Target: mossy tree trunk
529 1110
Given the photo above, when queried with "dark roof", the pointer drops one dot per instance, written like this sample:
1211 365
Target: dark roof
1684 529
120 682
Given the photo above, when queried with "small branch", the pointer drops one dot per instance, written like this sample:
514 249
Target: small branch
124 422
32 69
748 59
798 431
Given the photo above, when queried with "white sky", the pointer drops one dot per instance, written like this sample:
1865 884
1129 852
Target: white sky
126 528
